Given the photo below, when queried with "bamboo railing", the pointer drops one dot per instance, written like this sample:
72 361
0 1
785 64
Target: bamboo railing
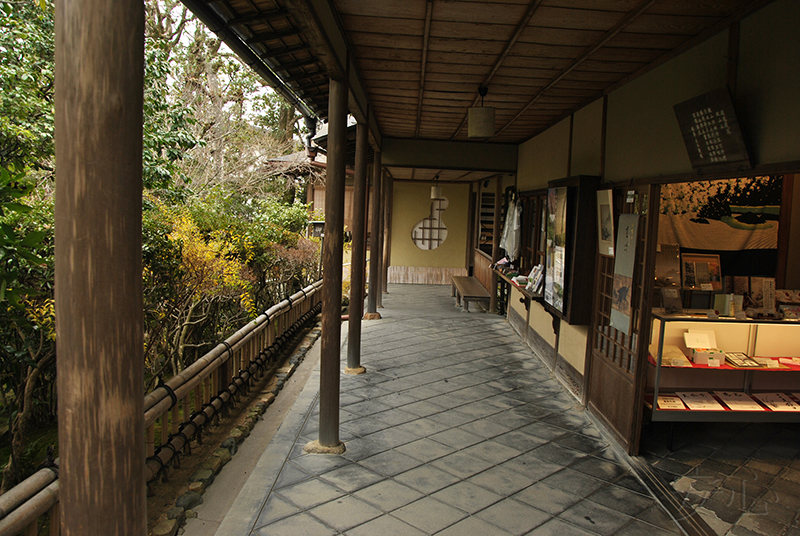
176 410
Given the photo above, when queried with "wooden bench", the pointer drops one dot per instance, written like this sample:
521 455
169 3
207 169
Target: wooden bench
469 289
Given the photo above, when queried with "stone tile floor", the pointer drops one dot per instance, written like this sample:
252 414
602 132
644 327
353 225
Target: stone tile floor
455 429
742 479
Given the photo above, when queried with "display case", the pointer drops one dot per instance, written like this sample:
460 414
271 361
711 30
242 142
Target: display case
570 247
682 391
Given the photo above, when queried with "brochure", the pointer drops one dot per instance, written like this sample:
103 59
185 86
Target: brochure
700 401
670 402
738 401
777 401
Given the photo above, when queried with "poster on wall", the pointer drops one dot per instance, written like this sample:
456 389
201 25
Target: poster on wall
701 271
555 254
605 223
722 215
623 272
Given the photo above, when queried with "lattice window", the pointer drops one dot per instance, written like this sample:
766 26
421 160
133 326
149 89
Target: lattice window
429 233
616 346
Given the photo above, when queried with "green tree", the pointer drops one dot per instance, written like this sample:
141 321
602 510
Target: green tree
27 53
27 316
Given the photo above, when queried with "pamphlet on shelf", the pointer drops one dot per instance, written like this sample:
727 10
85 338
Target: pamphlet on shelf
777 401
674 356
670 402
671 356
696 338
741 360
700 401
791 361
738 401
768 362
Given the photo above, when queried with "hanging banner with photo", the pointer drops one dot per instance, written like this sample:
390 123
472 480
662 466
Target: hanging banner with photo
721 215
623 272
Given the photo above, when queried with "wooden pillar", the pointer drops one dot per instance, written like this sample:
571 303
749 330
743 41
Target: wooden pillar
496 232
374 242
379 289
98 266
470 228
387 232
330 345
359 254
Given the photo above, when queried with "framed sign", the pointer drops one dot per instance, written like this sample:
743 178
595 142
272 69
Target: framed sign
711 131
701 271
605 223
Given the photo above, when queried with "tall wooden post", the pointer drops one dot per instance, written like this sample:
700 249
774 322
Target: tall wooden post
496 232
98 266
380 288
330 345
387 232
374 242
470 228
359 254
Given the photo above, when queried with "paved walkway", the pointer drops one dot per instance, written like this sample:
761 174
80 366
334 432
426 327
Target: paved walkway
741 479
456 428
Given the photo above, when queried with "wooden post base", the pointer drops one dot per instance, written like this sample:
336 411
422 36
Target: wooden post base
314 447
372 316
354 370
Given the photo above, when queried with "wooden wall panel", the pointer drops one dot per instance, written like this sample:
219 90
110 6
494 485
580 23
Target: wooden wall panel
482 269
614 411
423 275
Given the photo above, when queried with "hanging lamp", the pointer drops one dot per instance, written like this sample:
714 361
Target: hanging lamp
436 190
481 118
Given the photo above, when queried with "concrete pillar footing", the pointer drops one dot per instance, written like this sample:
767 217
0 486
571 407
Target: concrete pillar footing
314 447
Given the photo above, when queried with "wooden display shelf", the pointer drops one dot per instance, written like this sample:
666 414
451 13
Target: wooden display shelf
702 378
527 293
725 366
725 415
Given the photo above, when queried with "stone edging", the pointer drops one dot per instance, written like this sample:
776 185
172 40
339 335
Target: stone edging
210 468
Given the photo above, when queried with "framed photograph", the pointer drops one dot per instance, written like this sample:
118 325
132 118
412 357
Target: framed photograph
555 251
701 271
605 223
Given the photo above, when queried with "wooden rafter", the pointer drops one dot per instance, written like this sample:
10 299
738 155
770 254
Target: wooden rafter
423 67
617 28
523 23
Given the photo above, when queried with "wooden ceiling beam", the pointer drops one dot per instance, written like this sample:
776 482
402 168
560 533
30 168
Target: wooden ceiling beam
321 26
272 36
285 66
617 28
425 36
722 25
523 23
257 17
275 52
